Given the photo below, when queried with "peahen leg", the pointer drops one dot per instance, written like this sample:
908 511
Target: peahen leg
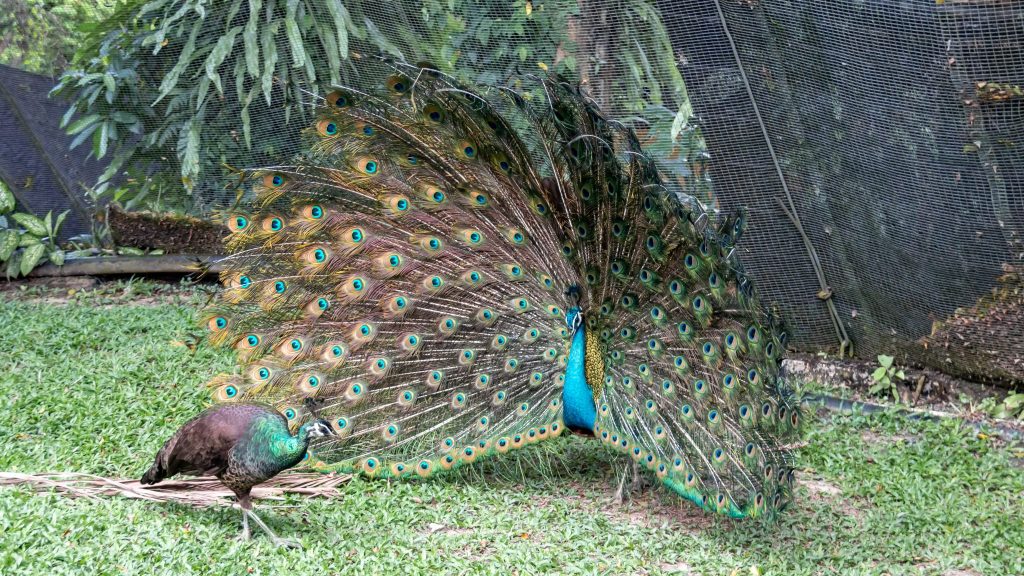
247 514
245 526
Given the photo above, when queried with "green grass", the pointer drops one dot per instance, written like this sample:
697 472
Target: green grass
98 389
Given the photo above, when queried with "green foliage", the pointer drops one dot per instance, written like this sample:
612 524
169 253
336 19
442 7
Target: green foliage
173 90
886 377
1011 407
35 241
41 36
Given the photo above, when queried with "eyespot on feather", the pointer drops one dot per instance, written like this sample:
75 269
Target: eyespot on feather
396 204
237 223
334 353
291 347
338 99
313 211
316 307
398 84
272 223
466 150
433 194
367 165
327 128
274 180
316 255
434 113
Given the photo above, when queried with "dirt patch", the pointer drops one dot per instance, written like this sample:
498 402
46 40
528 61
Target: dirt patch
172 233
677 568
872 437
443 529
823 492
647 507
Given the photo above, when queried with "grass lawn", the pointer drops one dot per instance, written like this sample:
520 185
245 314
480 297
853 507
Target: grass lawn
97 386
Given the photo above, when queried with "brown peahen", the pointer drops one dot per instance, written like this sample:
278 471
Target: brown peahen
242 445
455 273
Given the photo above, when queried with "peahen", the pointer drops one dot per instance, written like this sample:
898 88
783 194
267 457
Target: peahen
455 273
242 445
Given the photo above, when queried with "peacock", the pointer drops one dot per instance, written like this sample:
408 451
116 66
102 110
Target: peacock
455 272
242 445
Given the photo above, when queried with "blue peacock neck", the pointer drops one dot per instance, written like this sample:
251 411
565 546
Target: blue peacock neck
578 409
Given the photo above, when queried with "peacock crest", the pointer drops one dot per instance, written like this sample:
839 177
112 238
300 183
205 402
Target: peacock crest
417 270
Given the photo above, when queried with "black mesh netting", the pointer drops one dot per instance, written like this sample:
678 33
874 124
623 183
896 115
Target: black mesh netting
876 143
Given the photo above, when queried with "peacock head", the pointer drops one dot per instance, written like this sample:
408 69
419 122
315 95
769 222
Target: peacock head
573 319
319 428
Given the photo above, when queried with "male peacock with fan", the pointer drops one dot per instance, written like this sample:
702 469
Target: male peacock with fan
457 273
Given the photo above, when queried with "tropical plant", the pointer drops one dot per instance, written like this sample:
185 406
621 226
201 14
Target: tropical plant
886 376
176 89
25 240
41 36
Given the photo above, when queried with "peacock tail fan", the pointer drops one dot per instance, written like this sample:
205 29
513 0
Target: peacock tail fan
417 270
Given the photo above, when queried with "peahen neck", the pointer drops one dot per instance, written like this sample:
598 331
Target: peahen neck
279 444
579 411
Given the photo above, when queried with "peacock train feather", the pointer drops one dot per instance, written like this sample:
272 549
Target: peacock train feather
455 273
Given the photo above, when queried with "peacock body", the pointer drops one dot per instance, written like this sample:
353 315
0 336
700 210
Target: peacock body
455 273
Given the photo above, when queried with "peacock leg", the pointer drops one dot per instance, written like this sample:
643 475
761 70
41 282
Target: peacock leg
620 494
634 485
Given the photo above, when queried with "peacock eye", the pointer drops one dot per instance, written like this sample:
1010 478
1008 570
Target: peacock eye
280 287
244 282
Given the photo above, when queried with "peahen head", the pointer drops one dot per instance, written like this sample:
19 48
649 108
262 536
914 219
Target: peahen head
318 428
573 319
